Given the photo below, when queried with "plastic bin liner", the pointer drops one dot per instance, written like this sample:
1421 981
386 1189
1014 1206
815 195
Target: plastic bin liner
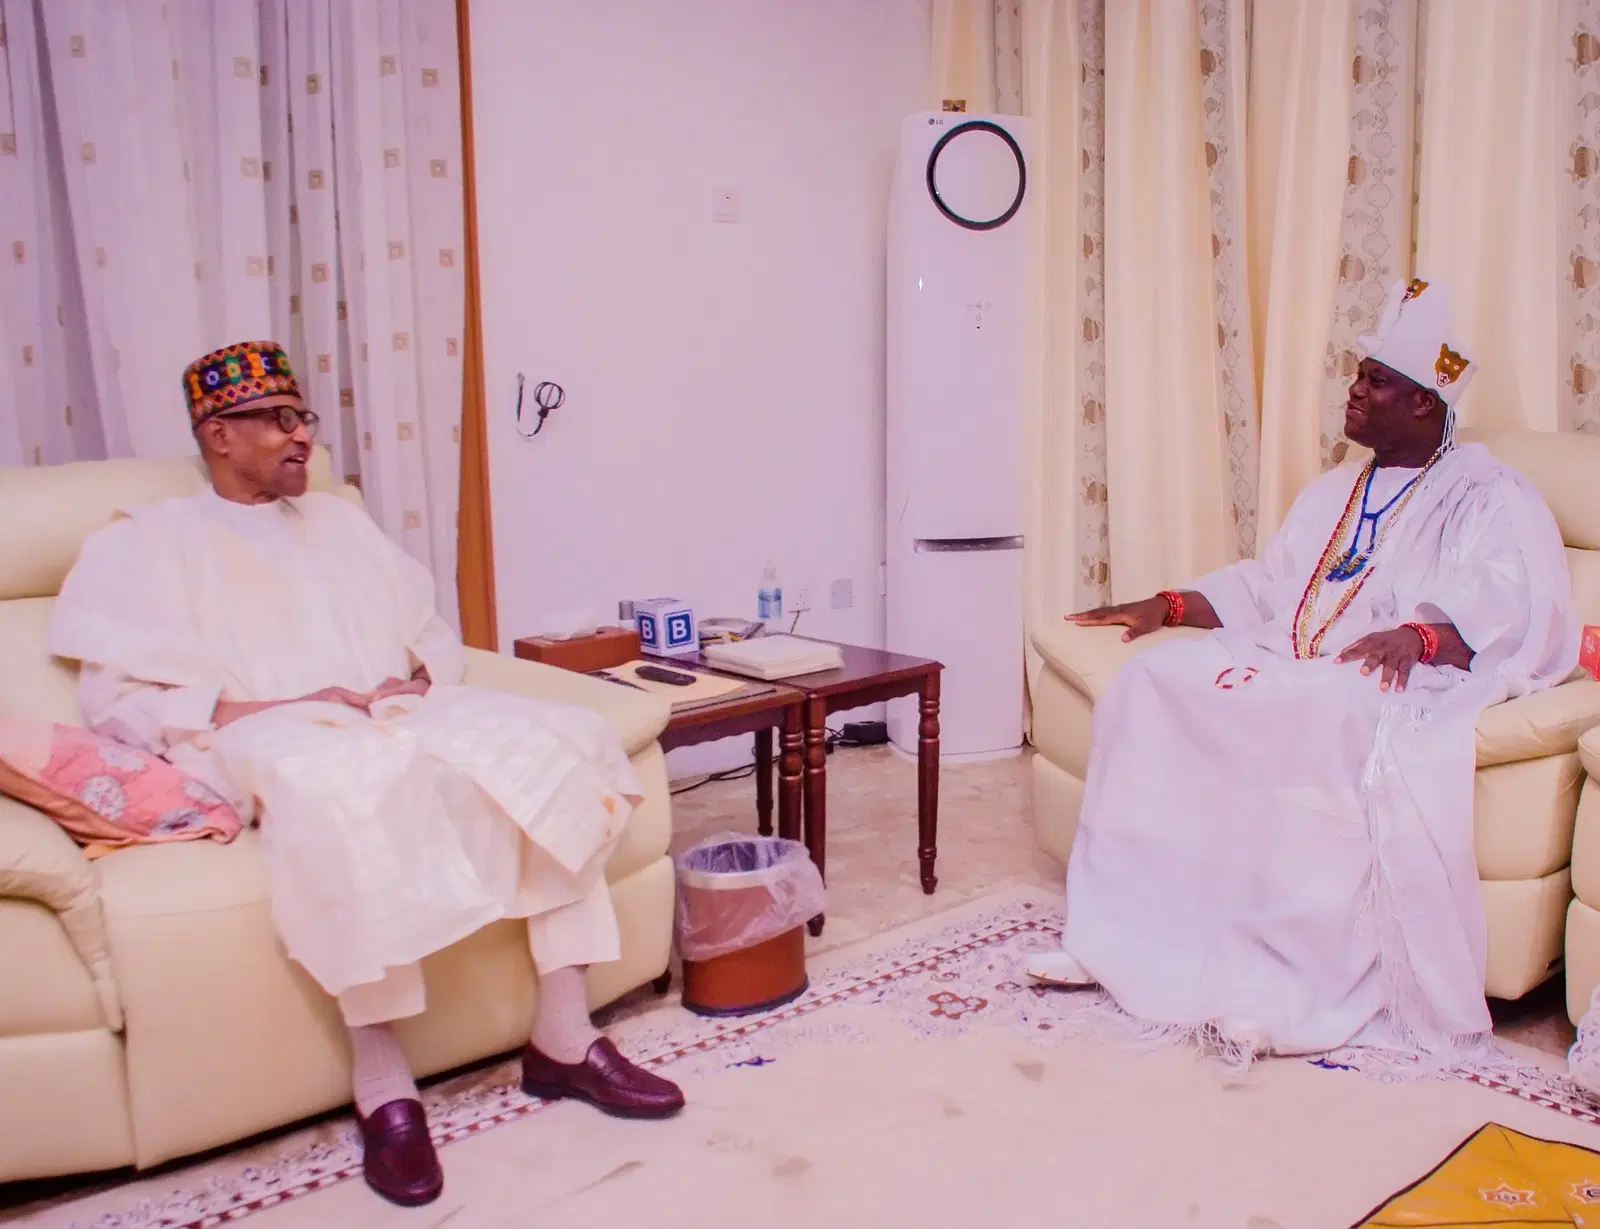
736 891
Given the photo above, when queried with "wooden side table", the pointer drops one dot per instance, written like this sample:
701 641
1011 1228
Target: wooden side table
765 707
868 676
772 705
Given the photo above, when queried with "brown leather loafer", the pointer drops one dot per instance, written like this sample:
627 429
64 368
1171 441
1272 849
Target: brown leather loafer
399 1161
604 1079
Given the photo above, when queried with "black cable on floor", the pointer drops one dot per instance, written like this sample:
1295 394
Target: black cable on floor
728 774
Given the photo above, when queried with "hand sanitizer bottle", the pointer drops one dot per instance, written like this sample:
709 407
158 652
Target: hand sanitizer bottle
769 602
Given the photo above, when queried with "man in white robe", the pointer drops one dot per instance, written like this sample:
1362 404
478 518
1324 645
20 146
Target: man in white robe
277 646
1275 851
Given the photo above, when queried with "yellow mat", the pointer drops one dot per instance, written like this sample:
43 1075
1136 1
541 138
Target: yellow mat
705 686
1500 1177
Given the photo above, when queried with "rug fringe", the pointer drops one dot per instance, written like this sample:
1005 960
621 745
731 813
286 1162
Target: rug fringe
1476 1056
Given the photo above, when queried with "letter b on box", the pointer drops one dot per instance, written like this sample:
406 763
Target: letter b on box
666 627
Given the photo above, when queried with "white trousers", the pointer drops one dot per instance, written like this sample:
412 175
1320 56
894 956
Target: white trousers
575 935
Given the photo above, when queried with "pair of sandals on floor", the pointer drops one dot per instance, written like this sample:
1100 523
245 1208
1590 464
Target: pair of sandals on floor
1061 971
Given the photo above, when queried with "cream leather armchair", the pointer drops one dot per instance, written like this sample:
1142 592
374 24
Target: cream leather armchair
147 1009
1528 775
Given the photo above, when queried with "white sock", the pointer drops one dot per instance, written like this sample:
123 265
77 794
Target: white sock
562 1029
381 1073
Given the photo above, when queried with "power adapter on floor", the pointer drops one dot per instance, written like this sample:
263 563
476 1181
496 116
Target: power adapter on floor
864 734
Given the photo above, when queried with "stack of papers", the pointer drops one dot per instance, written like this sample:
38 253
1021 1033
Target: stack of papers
773 657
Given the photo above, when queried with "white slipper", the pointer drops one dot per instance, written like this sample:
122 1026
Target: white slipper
1058 969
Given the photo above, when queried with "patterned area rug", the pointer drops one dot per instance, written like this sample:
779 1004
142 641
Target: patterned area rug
953 984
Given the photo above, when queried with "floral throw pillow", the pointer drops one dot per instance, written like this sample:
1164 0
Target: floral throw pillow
105 794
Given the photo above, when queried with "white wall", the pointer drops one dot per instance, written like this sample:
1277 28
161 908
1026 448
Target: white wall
724 382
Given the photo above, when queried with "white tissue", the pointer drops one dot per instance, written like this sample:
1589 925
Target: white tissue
571 623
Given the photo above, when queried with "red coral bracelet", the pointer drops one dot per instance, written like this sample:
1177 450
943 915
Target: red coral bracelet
1430 641
1174 603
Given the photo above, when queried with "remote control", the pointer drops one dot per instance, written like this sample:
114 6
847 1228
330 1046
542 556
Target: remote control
657 675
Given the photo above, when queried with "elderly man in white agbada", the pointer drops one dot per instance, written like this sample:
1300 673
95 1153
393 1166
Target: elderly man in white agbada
277 646
1275 851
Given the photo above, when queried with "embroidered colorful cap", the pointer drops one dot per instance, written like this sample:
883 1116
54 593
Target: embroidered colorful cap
236 375
1413 338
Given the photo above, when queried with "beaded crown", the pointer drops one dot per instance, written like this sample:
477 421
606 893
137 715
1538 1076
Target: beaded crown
236 375
1413 337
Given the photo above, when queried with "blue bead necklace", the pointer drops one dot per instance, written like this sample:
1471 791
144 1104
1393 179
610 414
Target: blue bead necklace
1354 561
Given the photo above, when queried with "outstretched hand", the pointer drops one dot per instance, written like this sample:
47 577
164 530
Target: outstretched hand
1393 654
1140 618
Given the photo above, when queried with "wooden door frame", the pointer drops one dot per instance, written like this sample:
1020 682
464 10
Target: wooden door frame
475 587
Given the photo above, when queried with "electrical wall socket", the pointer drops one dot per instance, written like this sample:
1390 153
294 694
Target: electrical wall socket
843 594
801 600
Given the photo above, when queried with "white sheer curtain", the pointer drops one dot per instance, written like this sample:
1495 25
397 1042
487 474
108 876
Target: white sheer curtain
176 175
964 53
1166 434
1494 180
1250 178
1299 145
1140 298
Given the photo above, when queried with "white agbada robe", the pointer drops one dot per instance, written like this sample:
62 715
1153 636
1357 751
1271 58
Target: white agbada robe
1293 852
388 836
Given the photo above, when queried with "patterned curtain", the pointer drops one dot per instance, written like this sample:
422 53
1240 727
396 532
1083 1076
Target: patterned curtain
1525 244
1093 503
1376 243
1219 46
176 175
1581 62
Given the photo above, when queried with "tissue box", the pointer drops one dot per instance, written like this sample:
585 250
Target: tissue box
1589 651
610 646
666 627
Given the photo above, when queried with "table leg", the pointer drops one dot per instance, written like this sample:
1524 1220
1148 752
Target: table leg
928 783
764 782
817 790
790 766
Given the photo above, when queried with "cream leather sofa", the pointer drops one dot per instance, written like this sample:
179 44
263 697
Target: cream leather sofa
147 1010
1583 915
1528 771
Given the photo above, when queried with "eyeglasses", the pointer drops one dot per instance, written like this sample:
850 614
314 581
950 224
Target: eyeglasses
287 417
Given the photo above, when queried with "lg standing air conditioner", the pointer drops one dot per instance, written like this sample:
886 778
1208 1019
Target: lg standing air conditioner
957 290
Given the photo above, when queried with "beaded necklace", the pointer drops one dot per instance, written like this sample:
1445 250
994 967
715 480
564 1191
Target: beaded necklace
1351 565
1353 562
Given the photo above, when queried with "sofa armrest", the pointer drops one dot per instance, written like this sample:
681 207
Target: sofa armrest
1544 723
637 716
40 862
1529 727
1589 752
1088 658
